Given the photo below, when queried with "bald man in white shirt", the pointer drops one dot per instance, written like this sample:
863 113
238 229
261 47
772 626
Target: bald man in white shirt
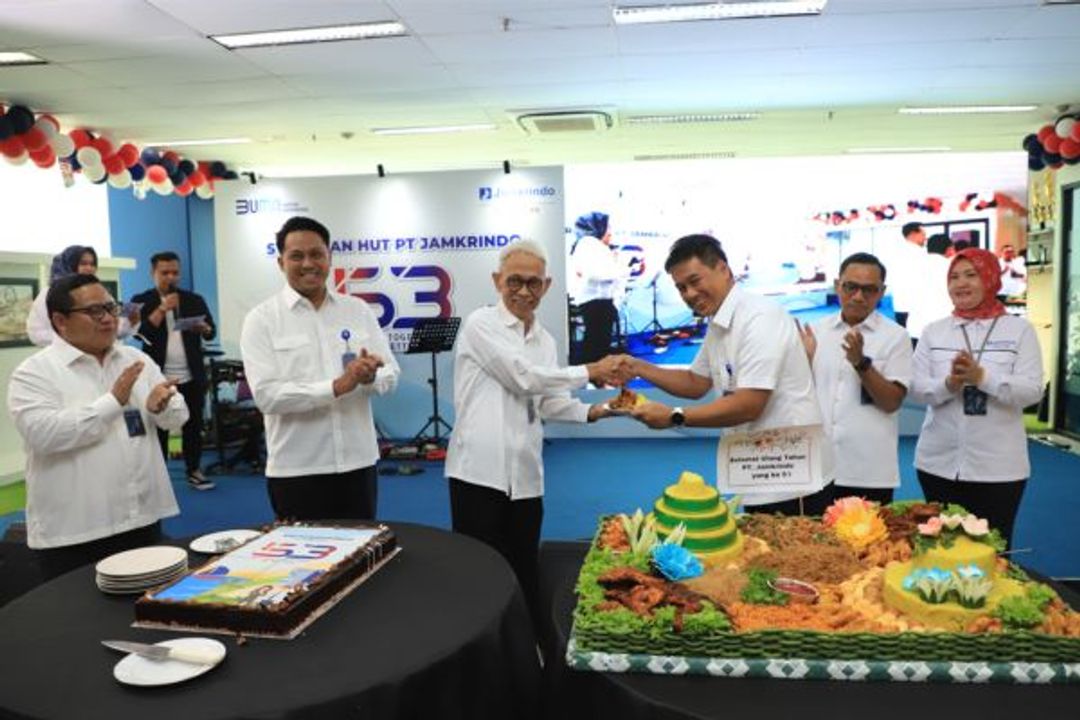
507 381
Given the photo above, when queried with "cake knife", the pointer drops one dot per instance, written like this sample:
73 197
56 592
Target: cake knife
194 656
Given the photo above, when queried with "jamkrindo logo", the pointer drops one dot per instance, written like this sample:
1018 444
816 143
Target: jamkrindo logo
252 205
486 192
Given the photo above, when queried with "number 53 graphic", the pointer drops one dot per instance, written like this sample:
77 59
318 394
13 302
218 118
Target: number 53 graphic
400 315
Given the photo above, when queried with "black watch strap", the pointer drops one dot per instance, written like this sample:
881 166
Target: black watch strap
865 364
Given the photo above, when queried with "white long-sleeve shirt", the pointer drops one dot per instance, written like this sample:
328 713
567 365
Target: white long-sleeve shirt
978 448
292 353
753 343
864 438
500 371
597 270
86 478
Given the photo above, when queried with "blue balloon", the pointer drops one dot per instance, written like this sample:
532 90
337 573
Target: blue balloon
229 175
1031 143
186 166
150 156
138 172
1035 164
21 118
217 169
177 177
1050 158
75 164
169 165
6 130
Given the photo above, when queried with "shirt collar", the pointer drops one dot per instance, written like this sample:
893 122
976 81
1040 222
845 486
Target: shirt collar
871 323
292 298
724 315
69 354
511 320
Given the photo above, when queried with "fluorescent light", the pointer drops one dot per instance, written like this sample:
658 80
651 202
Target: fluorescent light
432 129
723 155
889 150
966 109
633 15
333 33
681 119
20 58
208 141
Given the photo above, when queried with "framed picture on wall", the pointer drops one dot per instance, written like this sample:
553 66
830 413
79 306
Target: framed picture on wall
16 297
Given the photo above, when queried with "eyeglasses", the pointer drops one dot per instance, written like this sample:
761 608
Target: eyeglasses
99 311
533 284
850 288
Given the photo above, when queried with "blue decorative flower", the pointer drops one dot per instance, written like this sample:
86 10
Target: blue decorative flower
676 562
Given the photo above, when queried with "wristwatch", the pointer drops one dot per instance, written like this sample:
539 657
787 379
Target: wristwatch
678 417
864 364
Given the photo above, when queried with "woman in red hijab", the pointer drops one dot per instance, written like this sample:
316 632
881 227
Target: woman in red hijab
976 370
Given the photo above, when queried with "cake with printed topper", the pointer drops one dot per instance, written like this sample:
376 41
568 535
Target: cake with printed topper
860 593
274 585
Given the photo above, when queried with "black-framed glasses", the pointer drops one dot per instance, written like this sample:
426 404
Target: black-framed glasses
850 288
99 310
532 284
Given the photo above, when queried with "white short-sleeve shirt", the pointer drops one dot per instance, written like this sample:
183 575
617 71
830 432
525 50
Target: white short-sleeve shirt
863 437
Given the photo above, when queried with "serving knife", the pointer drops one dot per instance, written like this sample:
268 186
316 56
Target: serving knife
195 656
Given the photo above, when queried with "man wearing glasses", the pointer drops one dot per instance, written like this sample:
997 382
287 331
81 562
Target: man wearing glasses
86 408
507 381
862 369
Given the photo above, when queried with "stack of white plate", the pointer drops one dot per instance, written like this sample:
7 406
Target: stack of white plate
134 571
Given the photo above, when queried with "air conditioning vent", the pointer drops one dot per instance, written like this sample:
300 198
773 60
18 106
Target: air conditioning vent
726 155
568 121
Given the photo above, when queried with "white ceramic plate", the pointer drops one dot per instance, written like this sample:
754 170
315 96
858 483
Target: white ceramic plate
137 670
215 543
151 560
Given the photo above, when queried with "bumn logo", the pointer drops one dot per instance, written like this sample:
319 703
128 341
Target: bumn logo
485 193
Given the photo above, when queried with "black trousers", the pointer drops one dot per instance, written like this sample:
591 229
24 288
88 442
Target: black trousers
599 317
813 504
195 396
351 495
882 496
512 527
998 502
59 560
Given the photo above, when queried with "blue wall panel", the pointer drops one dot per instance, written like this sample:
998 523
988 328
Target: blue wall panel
140 228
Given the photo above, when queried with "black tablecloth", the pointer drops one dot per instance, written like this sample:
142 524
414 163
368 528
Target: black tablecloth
441 631
639 696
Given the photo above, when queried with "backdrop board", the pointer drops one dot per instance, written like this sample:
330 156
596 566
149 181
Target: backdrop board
415 246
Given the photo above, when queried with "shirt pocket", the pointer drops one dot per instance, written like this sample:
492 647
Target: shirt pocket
293 356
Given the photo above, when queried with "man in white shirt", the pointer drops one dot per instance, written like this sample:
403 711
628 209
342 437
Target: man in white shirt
1013 272
86 408
507 381
909 265
596 271
862 369
751 357
313 360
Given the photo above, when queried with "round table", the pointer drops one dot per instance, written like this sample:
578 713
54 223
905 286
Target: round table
440 631
641 696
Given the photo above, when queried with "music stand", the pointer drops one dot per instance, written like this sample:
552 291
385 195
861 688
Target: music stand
434 335
655 325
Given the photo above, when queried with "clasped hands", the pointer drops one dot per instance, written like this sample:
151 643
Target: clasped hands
965 370
613 371
360 371
157 399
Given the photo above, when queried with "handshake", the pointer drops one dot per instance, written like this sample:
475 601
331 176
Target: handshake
613 371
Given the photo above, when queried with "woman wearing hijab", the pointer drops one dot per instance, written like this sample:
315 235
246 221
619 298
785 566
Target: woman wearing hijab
596 272
72 260
976 370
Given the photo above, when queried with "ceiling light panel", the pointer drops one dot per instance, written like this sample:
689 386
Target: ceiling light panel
334 33
645 14
691 118
966 109
20 58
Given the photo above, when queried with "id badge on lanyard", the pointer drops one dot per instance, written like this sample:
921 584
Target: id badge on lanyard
975 400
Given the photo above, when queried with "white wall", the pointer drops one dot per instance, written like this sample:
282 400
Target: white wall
41 215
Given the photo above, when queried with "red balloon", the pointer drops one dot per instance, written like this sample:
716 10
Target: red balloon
184 189
171 155
1052 143
12 147
41 153
129 154
1044 132
104 147
1075 135
197 179
81 138
45 158
34 139
1070 149
114 164
156 174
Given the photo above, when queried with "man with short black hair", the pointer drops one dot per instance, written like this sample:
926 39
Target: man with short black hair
85 407
909 273
862 369
314 359
174 324
751 358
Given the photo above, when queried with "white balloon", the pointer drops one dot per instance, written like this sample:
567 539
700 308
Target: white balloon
1064 126
165 187
93 173
89 157
205 191
121 179
47 127
62 145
